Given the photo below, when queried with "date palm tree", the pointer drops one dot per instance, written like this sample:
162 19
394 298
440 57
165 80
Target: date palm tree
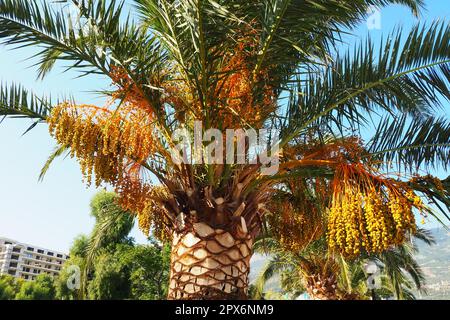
298 227
272 64
327 276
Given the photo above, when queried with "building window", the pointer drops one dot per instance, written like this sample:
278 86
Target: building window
38 258
14 257
13 264
12 272
59 255
30 249
16 249
7 242
40 251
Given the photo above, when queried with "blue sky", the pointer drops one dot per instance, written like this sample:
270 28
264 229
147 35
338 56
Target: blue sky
52 213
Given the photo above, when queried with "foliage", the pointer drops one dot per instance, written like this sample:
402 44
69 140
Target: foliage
118 268
42 288
111 266
79 246
9 287
111 281
71 268
132 272
113 224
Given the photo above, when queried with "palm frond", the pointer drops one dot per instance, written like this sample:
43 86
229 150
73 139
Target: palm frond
272 267
437 191
399 264
293 32
108 222
57 152
404 77
35 23
91 42
17 102
425 236
411 143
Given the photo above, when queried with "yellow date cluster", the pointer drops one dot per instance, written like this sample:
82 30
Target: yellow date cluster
102 140
372 221
154 217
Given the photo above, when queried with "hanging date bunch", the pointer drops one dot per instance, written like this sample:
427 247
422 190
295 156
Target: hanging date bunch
154 216
109 142
242 96
295 219
369 213
101 139
110 146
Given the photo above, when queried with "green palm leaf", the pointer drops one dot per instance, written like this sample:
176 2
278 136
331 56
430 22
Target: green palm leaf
15 101
405 77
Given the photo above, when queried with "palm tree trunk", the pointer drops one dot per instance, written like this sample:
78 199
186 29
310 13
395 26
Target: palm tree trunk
322 287
210 264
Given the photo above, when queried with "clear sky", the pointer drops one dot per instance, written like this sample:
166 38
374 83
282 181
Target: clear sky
52 213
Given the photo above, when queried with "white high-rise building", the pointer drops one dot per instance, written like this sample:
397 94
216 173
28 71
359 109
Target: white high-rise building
26 261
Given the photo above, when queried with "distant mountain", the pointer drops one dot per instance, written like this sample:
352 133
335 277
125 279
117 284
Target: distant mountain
435 262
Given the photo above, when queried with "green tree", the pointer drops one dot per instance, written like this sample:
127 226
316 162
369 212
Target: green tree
113 224
111 279
138 272
147 262
9 286
79 246
68 282
111 266
237 64
40 289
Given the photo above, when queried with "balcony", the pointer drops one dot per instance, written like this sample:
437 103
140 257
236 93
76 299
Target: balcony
35 259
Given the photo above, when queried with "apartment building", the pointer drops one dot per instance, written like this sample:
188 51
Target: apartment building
27 261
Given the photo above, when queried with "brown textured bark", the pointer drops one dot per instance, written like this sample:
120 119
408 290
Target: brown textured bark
210 264
321 287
